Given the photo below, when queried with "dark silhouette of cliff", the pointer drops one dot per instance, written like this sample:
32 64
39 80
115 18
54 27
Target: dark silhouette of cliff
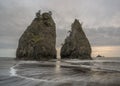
76 45
39 39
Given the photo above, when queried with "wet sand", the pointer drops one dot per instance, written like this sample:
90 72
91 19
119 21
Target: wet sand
59 73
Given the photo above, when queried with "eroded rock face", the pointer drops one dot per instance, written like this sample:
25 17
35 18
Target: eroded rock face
39 39
76 45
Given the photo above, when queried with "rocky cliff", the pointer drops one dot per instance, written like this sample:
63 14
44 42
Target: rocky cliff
39 39
76 45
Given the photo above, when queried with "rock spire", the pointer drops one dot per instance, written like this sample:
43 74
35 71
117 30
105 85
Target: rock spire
76 45
39 39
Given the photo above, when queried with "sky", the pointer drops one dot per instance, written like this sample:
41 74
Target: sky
100 18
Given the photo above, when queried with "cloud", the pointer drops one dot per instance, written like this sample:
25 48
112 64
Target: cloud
16 15
103 36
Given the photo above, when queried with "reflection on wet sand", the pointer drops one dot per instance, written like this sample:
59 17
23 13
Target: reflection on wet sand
58 65
61 73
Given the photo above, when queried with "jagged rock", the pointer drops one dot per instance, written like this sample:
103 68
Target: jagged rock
39 39
76 45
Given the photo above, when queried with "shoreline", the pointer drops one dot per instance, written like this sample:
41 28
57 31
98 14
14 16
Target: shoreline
57 73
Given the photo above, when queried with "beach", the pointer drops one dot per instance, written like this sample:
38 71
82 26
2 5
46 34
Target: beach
98 72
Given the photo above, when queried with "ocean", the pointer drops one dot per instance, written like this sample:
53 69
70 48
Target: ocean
98 72
107 51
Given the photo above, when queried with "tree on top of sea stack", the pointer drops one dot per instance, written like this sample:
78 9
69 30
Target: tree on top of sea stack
76 45
39 39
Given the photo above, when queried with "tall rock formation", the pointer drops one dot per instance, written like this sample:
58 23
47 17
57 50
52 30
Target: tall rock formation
39 39
76 45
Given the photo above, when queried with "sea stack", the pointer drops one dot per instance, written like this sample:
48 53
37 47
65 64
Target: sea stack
76 45
39 39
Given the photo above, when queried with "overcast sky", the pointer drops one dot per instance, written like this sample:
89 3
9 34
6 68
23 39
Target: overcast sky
101 19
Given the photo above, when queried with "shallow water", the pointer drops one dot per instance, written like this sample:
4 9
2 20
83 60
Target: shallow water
100 72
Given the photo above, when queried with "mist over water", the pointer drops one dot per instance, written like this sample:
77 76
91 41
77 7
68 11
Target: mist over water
74 72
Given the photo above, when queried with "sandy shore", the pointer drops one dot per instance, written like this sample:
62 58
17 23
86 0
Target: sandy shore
56 73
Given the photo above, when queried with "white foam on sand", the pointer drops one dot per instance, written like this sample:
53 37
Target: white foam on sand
13 72
95 67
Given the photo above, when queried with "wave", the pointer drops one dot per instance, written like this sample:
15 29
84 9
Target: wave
50 71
